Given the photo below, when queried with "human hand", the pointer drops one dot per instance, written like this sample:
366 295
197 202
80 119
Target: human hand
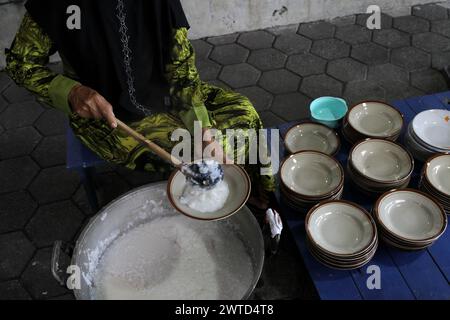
88 103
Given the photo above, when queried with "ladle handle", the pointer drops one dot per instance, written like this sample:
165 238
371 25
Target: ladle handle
163 154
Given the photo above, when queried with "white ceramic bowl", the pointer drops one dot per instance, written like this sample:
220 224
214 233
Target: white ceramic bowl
375 119
433 127
312 137
312 174
437 172
411 215
340 228
381 160
239 185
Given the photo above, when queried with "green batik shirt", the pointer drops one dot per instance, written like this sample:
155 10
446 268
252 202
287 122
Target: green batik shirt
29 54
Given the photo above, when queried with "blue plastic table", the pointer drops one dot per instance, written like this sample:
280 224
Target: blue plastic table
420 275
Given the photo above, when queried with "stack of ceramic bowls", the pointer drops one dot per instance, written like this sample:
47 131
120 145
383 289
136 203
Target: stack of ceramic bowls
310 177
372 119
377 166
428 134
310 136
409 219
341 234
435 179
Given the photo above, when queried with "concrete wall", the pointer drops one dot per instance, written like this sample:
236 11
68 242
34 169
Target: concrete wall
217 17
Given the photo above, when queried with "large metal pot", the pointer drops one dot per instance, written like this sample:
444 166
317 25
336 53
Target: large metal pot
127 212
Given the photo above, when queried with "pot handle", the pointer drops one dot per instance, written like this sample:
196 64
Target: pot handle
61 257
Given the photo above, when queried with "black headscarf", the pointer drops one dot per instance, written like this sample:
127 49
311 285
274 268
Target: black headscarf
96 51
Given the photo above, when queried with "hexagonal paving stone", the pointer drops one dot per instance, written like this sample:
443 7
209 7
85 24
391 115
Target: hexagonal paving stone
440 60
51 151
321 85
291 106
21 114
261 99
219 84
82 202
13 290
279 30
38 278
15 252
411 24
229 54
431 42
270 120
16 94
347 69
17 173
54 184
3 104
267 59
18 142
391 38
225 39
317 30
386 20
306 64
202 48
15 210
240 75
387 73
441 27
291 43
256 39
279 81
400 90
331 49
51 123
110 186
410 58
5 81
370 54
207 69
428 80
57 221
430 11
357 91
353 34
344 21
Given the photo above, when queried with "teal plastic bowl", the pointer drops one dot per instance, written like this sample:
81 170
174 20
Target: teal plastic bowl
328 111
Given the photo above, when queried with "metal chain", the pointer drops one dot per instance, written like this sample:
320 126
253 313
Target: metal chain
127 57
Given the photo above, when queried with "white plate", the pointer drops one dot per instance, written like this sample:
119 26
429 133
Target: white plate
381 160
433 127
438 173
375 119
340 227
312 137
238 183
311 174
410 215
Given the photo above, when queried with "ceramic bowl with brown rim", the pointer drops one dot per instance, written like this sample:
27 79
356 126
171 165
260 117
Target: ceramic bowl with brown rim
373 119
311 136
341 234
312 175
410 218
382 162
239 186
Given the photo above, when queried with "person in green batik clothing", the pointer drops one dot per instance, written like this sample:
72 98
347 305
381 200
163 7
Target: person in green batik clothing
131 59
